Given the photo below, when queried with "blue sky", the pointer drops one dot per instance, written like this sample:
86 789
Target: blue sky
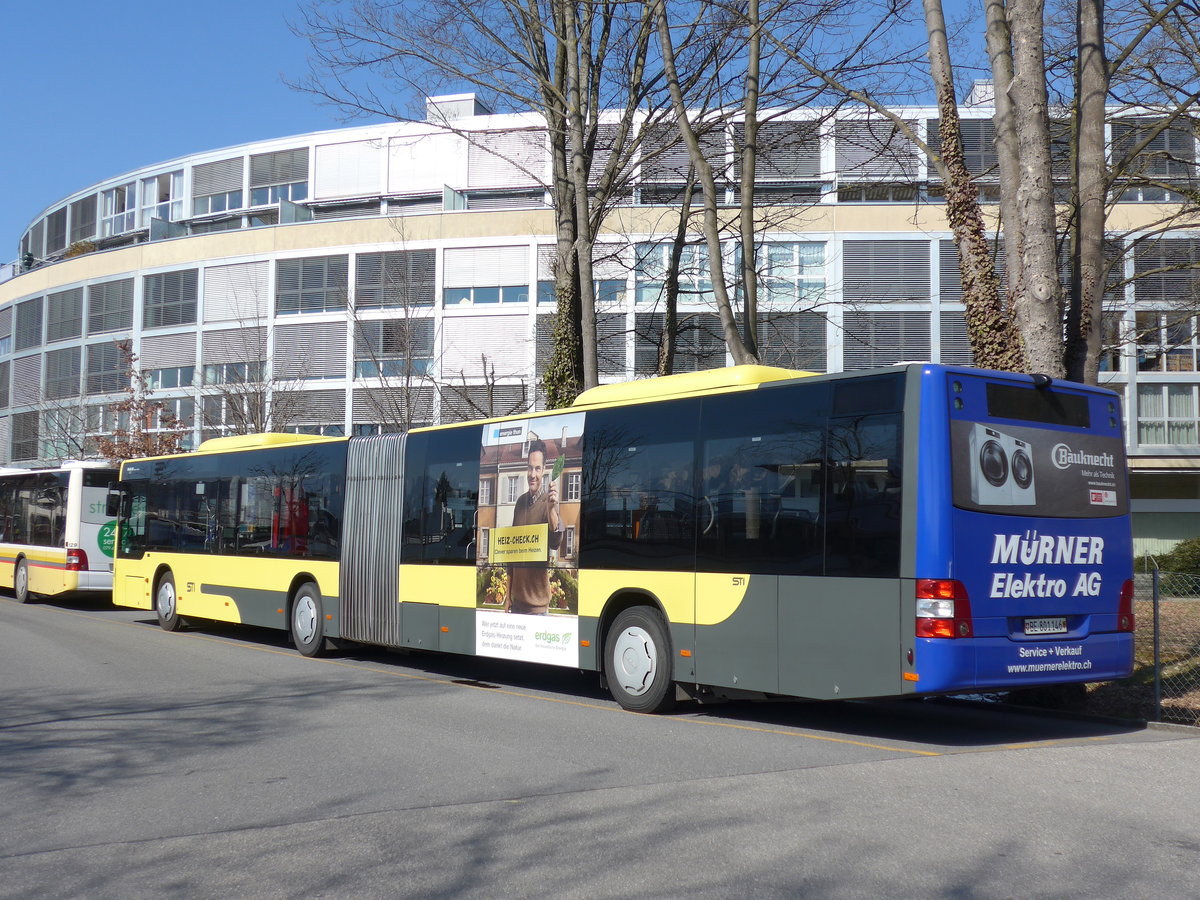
94 89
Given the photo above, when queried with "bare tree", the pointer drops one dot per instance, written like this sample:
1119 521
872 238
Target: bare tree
146 426
570 61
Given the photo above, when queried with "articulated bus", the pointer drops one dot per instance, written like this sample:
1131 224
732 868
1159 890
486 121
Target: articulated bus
742 532
55 536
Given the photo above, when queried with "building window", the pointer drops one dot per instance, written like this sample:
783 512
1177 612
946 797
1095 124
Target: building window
1167 414
234 373
311 285
217 186
487 489
4 384
792 340
62 373
28 331
181 408
512 488
56 230
83 219
106 369
884 338
162 198
104 421
393 348
279 176
176 377
791 273
64 315
170 299
877 193
394 280
653 263
232 413
25 436
1166 342
572 491
978 144
569 542
485 541
699 342
514 293
110 306
217 203
120 210
609 293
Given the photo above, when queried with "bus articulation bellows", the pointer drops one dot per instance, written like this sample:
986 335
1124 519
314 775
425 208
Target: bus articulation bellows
747 531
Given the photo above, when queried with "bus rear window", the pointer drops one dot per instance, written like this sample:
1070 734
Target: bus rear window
1029 404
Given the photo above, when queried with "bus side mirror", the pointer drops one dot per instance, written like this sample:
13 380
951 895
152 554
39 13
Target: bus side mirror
112 503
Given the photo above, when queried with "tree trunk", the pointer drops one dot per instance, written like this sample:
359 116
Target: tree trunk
578 173
994 339
711 224
1039 308
749 165
1085 310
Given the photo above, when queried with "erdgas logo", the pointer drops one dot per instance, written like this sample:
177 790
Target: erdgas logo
1063 457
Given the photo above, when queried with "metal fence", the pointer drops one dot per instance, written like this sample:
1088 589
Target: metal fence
1167 644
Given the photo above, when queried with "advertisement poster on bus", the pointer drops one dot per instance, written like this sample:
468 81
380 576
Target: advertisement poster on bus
527 540
1023 470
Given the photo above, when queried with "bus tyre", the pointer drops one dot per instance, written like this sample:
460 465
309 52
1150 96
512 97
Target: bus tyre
166 603
638 661
21 582
308 620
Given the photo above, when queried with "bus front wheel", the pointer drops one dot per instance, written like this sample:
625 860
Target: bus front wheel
21 582
638 662
308 620
166 603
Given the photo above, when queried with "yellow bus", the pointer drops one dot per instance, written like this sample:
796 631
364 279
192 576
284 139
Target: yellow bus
55 536
742 532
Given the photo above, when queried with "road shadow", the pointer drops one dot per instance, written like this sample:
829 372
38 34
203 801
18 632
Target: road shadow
941 722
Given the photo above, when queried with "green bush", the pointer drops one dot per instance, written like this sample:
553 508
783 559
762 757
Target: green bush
1184 557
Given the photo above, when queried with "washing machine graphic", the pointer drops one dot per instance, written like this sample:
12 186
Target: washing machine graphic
1001 469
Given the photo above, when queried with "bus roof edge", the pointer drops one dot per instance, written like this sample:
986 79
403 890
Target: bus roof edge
729 377
266 439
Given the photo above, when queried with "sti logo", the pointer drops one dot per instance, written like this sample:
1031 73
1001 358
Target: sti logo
1102 498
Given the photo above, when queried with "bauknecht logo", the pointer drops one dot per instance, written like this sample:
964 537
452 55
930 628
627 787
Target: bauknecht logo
1064 457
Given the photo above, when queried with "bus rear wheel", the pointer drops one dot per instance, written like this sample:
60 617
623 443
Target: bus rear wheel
638 661
166 603
308 620
21 582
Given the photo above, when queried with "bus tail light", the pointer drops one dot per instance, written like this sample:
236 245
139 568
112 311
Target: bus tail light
76 561
1125 620
943 609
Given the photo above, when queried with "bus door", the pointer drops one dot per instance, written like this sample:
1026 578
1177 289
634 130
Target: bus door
95 531
760 532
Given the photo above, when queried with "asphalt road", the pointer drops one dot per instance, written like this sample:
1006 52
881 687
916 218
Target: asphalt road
219 763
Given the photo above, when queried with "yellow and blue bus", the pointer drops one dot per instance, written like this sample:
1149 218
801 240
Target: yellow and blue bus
742 532
55 536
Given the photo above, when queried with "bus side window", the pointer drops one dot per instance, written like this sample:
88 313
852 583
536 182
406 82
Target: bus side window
639 504
441 496
863 526
762 486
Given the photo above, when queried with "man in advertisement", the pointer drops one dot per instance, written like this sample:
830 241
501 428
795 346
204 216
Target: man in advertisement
529 582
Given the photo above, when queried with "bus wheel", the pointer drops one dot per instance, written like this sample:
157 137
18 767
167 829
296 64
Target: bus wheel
308 621
21 582
637 661
165 603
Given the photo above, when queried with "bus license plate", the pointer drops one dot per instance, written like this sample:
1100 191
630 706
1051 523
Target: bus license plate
1046 625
